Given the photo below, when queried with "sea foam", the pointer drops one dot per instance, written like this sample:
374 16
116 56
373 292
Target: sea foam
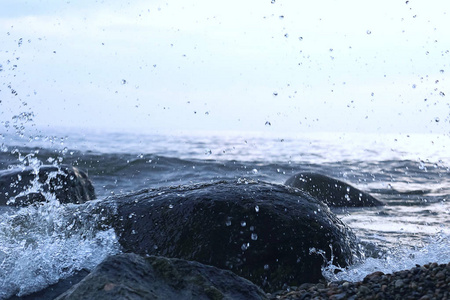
436 249
45 243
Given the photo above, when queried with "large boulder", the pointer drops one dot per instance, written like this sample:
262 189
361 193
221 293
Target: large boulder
333 192
271 234
24 186
129 276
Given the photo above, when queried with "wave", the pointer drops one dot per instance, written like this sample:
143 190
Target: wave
112 173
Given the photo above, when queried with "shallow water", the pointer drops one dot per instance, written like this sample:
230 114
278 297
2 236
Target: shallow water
410 173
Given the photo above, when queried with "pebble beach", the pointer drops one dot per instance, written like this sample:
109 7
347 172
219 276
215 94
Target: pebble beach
427 282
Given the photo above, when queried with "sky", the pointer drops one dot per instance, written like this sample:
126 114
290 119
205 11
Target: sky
272 65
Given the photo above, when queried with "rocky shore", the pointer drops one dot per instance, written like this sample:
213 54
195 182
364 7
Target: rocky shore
219 240
427 282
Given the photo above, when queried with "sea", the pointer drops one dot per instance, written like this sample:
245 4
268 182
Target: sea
409 172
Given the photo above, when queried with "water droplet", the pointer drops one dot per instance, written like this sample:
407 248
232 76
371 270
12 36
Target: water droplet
257 208
243 223
254 236
228 222
255 171
286 35
245 246
300 38
369 32
414 86
437 119
266 267
124 81
268 123
170 206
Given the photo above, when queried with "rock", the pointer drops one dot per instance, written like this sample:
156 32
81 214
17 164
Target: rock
340 296
21 187
373 275
272 235
331 191
54 290
399 283
423 285
129 276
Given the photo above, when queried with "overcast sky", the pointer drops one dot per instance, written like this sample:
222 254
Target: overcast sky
303 66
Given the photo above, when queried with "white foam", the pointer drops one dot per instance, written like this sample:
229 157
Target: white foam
403 258
41 245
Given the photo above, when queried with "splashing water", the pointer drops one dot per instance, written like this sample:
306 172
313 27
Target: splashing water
41 244
402 258
45 243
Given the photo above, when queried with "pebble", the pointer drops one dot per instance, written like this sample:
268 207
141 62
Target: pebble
430 281
398 283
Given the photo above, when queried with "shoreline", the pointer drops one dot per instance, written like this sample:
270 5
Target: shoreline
426 282
429 281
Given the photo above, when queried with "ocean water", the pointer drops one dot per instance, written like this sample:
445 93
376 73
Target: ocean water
411 173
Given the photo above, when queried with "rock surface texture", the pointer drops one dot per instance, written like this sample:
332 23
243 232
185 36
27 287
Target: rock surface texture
21 187
129 276
270 234
333 192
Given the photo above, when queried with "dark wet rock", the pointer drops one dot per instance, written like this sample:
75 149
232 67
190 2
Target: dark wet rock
54 290
129 276
331 191
272 235
20 187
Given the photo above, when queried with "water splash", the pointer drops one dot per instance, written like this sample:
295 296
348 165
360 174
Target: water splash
46 242
42 244
402 258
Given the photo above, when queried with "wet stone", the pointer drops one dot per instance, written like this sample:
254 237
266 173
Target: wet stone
332 192
130 276
21 187
373 276
217 224
398 283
